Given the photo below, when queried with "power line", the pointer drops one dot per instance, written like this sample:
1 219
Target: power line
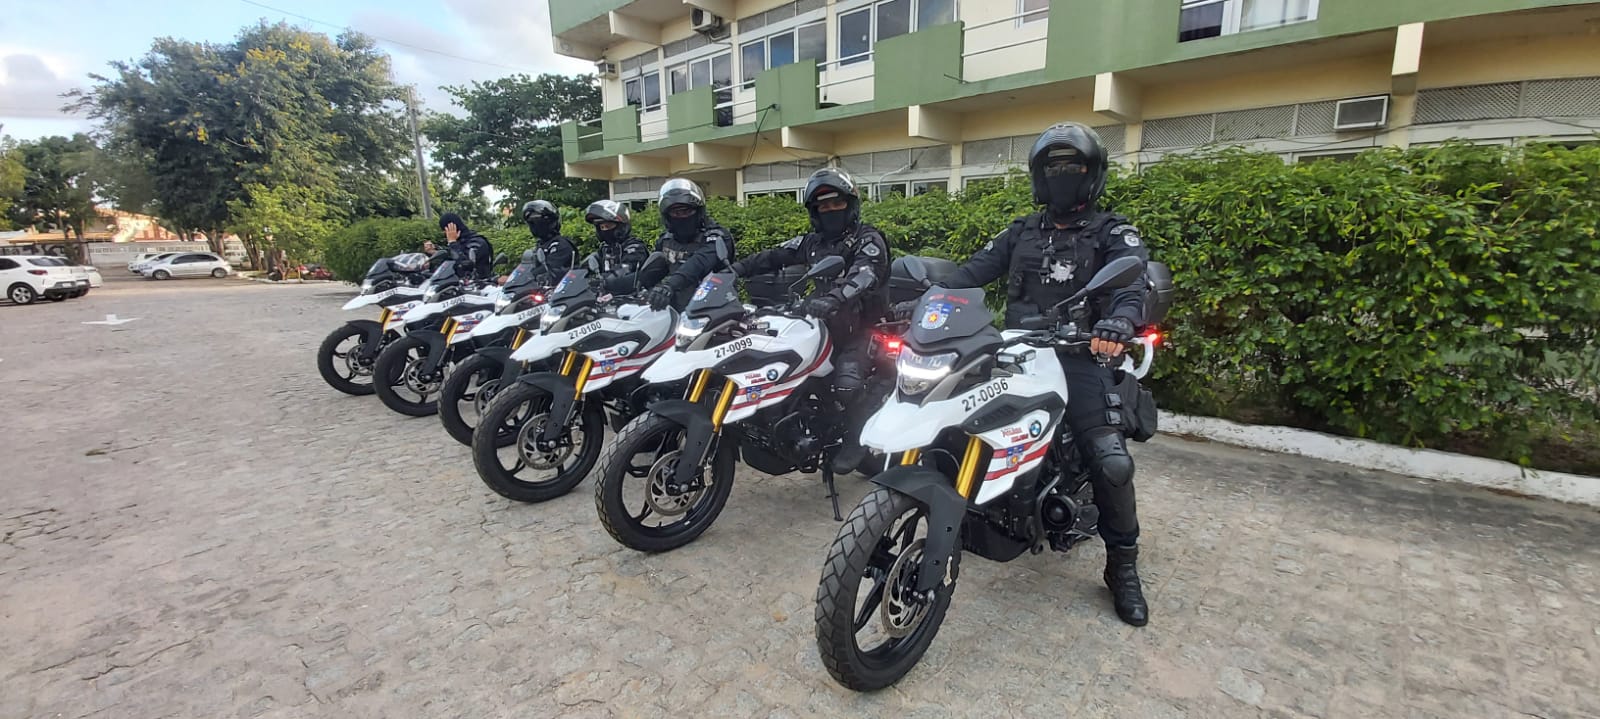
391 41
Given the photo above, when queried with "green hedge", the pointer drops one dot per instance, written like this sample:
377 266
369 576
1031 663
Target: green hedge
1441 297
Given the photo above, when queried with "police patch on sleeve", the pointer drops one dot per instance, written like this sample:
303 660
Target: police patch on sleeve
1129 235
870 249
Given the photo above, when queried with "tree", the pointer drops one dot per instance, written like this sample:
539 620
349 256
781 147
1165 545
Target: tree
510 138
57 188
291 219
12 173
278 106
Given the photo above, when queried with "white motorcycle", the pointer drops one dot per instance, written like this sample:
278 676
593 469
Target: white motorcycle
986 464
758 386
473 384
345 358
409 372
542 434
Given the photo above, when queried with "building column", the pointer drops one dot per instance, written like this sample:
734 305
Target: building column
1403 84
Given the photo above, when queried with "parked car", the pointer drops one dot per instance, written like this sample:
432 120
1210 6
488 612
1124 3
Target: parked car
145 260
29 277
79 272
188 264
95 280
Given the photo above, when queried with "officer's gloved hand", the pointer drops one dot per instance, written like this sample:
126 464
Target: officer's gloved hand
823 306
1110 335
660 296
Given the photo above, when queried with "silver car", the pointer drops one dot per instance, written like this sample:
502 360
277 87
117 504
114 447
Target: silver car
188 264
138 265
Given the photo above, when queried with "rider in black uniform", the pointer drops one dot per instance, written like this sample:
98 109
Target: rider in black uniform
688 239
856 299
623 253
1046 257
556 252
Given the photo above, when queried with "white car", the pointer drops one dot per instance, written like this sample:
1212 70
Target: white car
26 278
138 265
188 264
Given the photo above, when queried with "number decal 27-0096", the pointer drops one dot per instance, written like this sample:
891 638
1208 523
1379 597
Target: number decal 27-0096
983 394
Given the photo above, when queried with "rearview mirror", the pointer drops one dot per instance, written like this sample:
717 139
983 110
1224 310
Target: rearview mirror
500 259
917 270
1117 274
592 262
723 253
829 266
655 258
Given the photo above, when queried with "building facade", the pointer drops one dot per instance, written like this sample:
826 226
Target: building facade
747 97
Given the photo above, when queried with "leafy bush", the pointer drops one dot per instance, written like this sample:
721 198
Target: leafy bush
1441 297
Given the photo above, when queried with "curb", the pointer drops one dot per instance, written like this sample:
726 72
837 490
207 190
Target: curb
266 281
1366 454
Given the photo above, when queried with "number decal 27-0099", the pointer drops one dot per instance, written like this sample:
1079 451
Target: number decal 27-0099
982 395
737 345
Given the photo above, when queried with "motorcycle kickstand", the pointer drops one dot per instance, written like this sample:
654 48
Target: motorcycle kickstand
833 491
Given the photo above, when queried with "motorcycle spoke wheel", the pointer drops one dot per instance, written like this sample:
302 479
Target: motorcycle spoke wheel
515 462
640 465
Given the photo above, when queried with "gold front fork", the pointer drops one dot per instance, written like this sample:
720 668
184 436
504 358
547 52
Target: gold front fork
971 467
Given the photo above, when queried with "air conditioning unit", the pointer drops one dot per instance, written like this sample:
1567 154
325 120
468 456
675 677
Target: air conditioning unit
606 70
707 24
1361 113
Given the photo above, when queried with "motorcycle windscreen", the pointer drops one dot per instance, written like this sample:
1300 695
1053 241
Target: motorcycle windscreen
445 275
715 292
572 286
522 280
378 269
945 314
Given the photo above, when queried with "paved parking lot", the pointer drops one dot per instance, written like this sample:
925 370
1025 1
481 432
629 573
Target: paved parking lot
193 525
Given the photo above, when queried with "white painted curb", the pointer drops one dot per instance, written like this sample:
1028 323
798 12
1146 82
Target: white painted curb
1422 463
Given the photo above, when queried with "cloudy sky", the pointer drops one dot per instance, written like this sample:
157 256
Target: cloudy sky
50 46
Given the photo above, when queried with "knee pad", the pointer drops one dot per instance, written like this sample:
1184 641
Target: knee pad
847 377
1108 457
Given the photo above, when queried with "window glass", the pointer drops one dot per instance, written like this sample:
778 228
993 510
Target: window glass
679 80
722 70
652 91
894 18
700 73
6 264
752 60
935 12
630 89
1035 10
812 43
855 36
781 49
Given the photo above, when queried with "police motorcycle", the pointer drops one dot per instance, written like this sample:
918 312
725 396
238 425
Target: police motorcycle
986 465
394 284
409 372
758 388
542 433
472 385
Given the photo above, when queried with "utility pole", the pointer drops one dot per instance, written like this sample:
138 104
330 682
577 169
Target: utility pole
416 142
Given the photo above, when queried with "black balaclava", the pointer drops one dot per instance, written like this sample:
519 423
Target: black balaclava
1068 190
685 229
451 218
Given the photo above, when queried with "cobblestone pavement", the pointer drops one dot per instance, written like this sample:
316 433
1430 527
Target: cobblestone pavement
192 524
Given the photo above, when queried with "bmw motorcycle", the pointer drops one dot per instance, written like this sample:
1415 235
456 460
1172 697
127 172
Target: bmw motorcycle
394 284
543 432
410 371
987 465
758 387
466 394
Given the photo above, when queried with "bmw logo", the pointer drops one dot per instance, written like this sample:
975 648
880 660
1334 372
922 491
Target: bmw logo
1035 428
623 351
772 375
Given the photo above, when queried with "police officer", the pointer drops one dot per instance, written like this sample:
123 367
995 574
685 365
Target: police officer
856 298
1046 257
473 255
556 252
688 239
624 254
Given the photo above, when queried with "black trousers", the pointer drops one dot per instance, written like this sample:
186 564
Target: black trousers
1095 422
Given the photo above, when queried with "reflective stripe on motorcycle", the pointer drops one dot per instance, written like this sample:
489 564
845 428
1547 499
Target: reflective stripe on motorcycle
522 336
967 476
723 402
910 457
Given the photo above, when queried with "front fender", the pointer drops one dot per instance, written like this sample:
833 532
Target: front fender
509 369
437 347
563 395
697 433
371 337
945 510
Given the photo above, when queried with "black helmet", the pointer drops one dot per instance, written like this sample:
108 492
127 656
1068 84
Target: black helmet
829 183
610 211
1066 145
542 218
679 192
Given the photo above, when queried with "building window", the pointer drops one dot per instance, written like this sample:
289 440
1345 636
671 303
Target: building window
923 188
1032 10
807 42
785 194
652 91
859 29
1199 19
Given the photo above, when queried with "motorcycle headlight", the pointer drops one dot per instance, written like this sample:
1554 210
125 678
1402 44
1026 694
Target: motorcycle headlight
919 373
549 319
430 297
366 286
691 327
501 303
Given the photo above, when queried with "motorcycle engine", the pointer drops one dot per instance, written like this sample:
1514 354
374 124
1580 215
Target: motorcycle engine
786 445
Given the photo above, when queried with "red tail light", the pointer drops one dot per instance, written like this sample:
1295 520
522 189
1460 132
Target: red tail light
40 273
536 297
891 344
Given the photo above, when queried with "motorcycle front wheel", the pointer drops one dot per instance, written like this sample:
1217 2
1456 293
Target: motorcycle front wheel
871 633
524 468
398 379
641 461
340 364
466 395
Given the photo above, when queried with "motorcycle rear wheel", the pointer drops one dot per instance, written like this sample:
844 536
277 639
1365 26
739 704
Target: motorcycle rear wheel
877 542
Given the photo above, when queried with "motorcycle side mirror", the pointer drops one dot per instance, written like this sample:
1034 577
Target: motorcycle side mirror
918 271
724 254
829 266
1117 274
655 258
592 262
500 259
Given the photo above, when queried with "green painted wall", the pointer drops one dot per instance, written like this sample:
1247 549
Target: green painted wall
690 110
917 67
791 93
620 128
1127 34
568 14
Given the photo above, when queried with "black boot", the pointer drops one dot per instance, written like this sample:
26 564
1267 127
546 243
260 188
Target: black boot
1122 578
